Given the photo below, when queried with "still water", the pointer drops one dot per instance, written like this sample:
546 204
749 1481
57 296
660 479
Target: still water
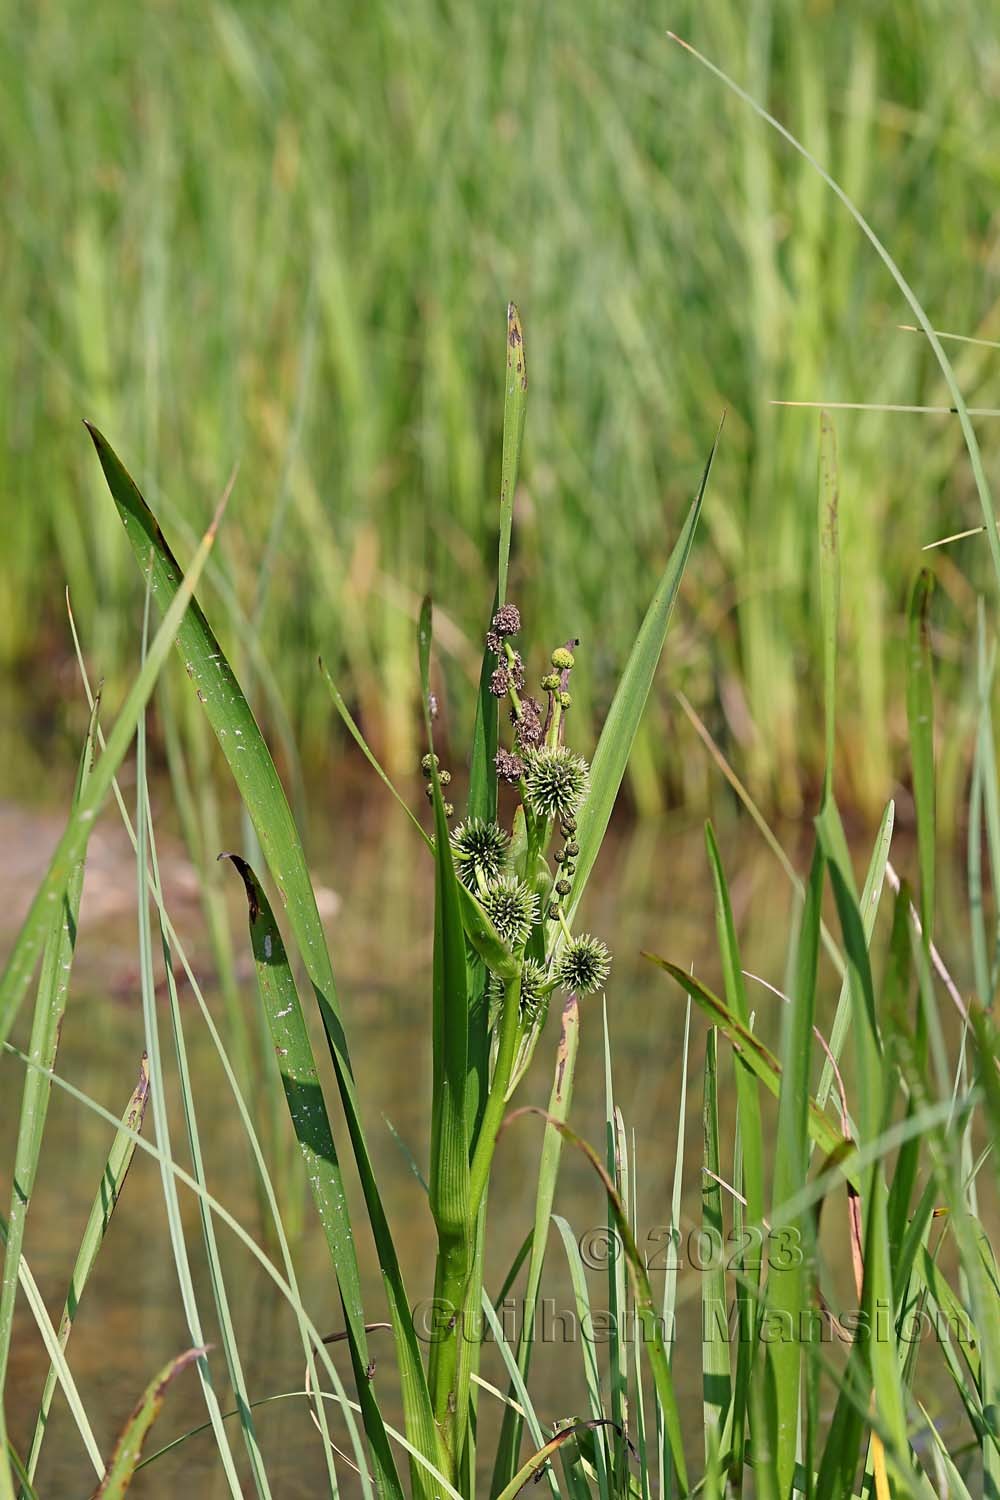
650 891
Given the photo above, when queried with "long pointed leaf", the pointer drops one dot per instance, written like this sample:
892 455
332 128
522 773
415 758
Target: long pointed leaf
257 780
615 744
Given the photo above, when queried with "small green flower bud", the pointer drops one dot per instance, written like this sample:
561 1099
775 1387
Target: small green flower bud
568 825
565 700
563 659
563 887
428 763
444 777
554 910
449 810
572 850
550 682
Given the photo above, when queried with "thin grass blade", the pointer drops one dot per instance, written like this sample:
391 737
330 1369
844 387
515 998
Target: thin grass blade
108 1192
615 744
128 1449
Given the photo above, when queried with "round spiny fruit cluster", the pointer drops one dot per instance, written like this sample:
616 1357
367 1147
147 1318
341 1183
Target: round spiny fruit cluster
535 987
583 966
555 781
480 849
513 908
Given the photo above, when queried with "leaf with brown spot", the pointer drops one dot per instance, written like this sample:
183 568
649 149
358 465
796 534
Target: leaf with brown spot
128 1449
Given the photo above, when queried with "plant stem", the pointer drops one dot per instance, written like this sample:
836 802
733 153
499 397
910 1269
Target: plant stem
482 1157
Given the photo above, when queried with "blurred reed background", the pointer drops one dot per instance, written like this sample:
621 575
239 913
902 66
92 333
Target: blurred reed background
286 236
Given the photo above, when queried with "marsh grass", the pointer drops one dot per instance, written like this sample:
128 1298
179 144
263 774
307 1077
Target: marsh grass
324 271
885 1127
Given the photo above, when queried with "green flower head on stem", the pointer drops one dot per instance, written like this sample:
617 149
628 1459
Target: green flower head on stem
583 966
535 987
480 848
513 908
555 781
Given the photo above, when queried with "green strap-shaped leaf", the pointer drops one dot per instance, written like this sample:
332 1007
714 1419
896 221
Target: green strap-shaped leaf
615 744
253 771
311 1123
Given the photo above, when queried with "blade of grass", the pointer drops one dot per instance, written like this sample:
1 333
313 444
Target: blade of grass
184 1179
652 1334
105 1201
615 744
947 370
788 1291
666 1463
746 1087
73 843
615 1162
560 1101
102 1208
43 1323
591 1370
50 1007
128 1449
220 1295
158 1097
871 896
920 716
308 1113
829 553
757 1057
716 1374
260 788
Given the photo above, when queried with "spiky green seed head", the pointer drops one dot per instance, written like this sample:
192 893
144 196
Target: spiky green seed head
562 659
479 846
535 987
555 781
513 908
583 965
